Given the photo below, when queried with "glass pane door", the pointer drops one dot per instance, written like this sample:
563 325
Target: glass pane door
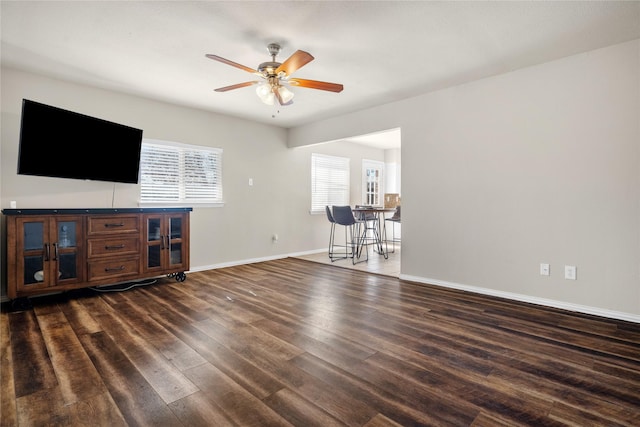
34 252
175 231
154 241
372 182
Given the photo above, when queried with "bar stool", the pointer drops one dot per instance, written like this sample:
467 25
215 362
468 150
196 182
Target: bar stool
395 219
370 233
343 215
332 255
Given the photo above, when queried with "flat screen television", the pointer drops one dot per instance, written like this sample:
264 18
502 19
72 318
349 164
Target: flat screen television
59 143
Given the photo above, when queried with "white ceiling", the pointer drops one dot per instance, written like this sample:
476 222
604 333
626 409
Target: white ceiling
381 51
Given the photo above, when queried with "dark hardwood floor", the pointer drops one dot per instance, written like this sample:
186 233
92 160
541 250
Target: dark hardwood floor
292 342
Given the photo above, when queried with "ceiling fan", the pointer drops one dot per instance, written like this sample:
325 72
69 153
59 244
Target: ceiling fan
276 75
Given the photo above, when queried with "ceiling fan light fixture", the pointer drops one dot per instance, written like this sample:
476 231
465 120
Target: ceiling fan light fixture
265 93
285 94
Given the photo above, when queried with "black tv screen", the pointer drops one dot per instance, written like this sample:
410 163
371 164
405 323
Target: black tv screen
55 142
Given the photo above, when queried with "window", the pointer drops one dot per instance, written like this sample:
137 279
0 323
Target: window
372 182
175 174
329 181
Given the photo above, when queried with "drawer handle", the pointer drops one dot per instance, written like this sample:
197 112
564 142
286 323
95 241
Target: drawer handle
120 224
114 247
107 269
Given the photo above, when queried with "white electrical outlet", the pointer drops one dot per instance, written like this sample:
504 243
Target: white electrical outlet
545 270
570 272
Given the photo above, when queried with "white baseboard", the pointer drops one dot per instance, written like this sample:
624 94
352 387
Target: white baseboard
254 260
239 262
528 299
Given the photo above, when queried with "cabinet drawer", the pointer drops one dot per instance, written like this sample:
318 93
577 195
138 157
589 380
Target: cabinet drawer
105 269
113 224
119 246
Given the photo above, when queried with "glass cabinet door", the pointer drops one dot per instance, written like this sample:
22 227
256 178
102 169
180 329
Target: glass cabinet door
154 241
175 241
164 242
66 249
50 252
34 252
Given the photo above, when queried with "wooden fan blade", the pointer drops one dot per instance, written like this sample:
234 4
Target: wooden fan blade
233 64
294 62
315 84
236 86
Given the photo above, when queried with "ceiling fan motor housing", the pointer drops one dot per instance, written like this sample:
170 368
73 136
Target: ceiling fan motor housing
268 69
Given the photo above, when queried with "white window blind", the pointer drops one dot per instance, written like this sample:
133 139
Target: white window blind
172 173
329 181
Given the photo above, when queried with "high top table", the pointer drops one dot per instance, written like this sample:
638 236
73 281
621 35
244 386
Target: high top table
380 233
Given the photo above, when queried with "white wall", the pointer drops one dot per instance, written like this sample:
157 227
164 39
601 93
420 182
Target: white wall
538 165
392 168
241 231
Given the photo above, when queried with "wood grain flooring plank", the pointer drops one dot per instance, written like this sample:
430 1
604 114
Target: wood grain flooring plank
137 400
381 421
196 410
334 402
515 343
252 378
96 410
487 420
32 368
341 405
384 401
577 416
299 411
8 413
240 406
562 392
74 370
621 372
243 338
328 347
410 385
156 294
163 376
43 408
573 376
258 300
174 350
592 344
79 317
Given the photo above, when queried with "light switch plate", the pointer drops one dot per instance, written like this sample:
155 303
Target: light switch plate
545 270
570 272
